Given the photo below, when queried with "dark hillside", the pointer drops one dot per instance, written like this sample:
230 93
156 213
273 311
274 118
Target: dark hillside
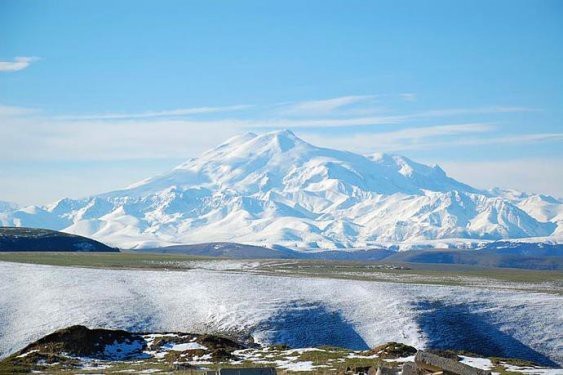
33 239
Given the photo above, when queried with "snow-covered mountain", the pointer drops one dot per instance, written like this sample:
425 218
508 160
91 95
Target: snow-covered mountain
7 206
539 206
278 189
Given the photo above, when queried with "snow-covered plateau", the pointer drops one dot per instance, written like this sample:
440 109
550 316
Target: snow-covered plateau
298 311
276 189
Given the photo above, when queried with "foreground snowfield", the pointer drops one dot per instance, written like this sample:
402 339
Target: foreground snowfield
36 299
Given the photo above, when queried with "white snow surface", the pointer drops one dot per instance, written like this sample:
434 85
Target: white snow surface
185 346
482 363
534 370
278 189
302 312
299 366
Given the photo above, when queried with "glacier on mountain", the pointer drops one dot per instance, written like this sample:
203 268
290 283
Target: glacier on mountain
278 189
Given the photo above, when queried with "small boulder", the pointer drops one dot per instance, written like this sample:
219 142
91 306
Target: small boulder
394 350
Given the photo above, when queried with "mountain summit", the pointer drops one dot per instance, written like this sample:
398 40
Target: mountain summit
276 188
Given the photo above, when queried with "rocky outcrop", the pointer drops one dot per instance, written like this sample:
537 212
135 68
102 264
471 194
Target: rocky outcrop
78 349
428 363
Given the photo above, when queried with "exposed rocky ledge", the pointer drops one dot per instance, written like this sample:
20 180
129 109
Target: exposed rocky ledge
78 349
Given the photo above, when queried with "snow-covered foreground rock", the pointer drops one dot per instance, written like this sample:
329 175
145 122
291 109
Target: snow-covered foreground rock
35 300
278 189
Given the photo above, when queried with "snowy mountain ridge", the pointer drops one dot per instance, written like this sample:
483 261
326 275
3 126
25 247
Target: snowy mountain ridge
278 189
7 206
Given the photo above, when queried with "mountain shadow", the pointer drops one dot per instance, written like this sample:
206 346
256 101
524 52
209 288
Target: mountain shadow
300 325
457 327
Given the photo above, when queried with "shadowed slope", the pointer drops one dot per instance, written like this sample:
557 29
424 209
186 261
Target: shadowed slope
458 327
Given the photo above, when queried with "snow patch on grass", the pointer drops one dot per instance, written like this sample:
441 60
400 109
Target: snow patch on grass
183 347
482 363
297 366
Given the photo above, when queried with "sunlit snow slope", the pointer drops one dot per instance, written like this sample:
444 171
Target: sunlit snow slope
278 189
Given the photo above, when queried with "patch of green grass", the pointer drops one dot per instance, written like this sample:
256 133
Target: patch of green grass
277 347
513 361
102 260
435 274
243 364
442 274
499 369
353 363
321 357
498 365
7 366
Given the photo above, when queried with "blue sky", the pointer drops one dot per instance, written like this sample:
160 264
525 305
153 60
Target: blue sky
95 95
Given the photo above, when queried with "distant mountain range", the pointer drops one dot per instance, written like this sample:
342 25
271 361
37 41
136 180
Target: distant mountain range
7 206
276 189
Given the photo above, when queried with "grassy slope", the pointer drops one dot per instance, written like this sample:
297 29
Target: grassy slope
426 269
411 272
101 260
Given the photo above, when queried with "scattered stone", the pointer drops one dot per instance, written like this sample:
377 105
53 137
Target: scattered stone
213 342
394 350
450 354
428 363
183 366
409 368
384 370
279 347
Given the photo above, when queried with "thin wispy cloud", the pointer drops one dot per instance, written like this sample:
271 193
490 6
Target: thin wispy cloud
11 111
103 140
474 111
346 111
18 63
166 134
362 110
325 122
365 110
515 139
533 175
408 96
521 139
320 122
432 137
326 106
156 114
404 139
